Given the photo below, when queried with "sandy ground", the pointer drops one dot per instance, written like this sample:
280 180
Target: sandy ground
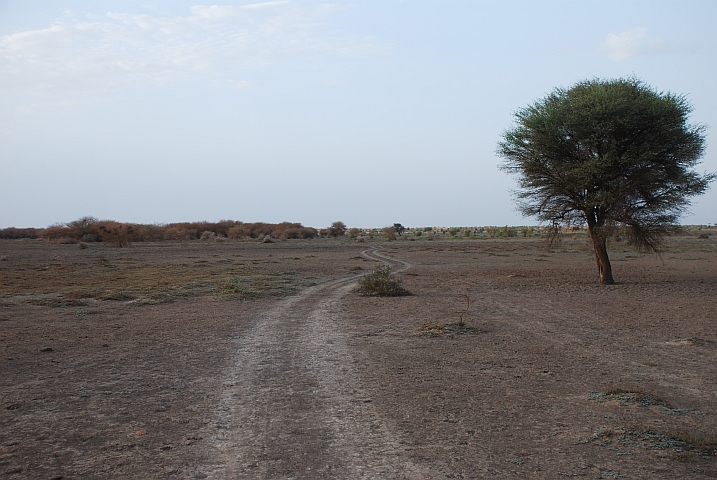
106 372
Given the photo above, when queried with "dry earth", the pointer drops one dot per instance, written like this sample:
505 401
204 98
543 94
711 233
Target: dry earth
244 360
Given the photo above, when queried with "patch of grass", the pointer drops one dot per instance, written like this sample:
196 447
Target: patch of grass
381 283
143 283
686 446
643 399
435 329
116 296
689 341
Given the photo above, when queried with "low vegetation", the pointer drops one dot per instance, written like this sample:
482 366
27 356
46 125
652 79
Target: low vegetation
381 283
90 229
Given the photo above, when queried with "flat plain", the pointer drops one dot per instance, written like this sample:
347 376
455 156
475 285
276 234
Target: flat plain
251 360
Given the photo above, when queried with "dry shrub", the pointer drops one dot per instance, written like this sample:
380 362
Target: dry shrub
381 283
64 241
353 232
389 233
236 232
17 233
119 234
89 229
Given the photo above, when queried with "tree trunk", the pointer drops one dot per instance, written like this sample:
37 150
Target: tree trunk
603 261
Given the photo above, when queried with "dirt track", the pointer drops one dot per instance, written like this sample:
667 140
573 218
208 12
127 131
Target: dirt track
293 406
327 384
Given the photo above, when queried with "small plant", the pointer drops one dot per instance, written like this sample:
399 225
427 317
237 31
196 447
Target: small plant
417 233
453 231
353 232
237 287
460 322
431 329
381 283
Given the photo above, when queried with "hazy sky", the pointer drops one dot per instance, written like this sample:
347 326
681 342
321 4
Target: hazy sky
371 112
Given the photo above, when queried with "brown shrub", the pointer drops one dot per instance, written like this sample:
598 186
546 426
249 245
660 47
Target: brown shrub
389 233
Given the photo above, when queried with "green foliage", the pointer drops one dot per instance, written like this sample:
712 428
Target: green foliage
399 228
609 154
381 283
508 232
453 231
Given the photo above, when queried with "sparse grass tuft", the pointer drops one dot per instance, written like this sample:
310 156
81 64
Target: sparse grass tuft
643 399
687 446
435 329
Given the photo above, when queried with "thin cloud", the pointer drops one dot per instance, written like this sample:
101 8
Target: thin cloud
635 43
123 49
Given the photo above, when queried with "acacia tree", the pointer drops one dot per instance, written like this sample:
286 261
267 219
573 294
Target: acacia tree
337 229
612 154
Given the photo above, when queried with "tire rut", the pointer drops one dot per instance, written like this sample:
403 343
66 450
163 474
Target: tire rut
292 406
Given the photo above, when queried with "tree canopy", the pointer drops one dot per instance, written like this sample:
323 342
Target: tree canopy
612 154
337 229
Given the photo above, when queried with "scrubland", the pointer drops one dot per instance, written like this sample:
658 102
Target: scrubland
114 359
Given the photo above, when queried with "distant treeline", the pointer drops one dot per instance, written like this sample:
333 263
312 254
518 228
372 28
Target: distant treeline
90 229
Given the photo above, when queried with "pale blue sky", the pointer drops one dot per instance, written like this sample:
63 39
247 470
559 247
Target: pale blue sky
368 112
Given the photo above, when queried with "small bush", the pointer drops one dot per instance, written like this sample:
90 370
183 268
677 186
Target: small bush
389 234
492 231
236 232
381 283
453 231
353 232
508 232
